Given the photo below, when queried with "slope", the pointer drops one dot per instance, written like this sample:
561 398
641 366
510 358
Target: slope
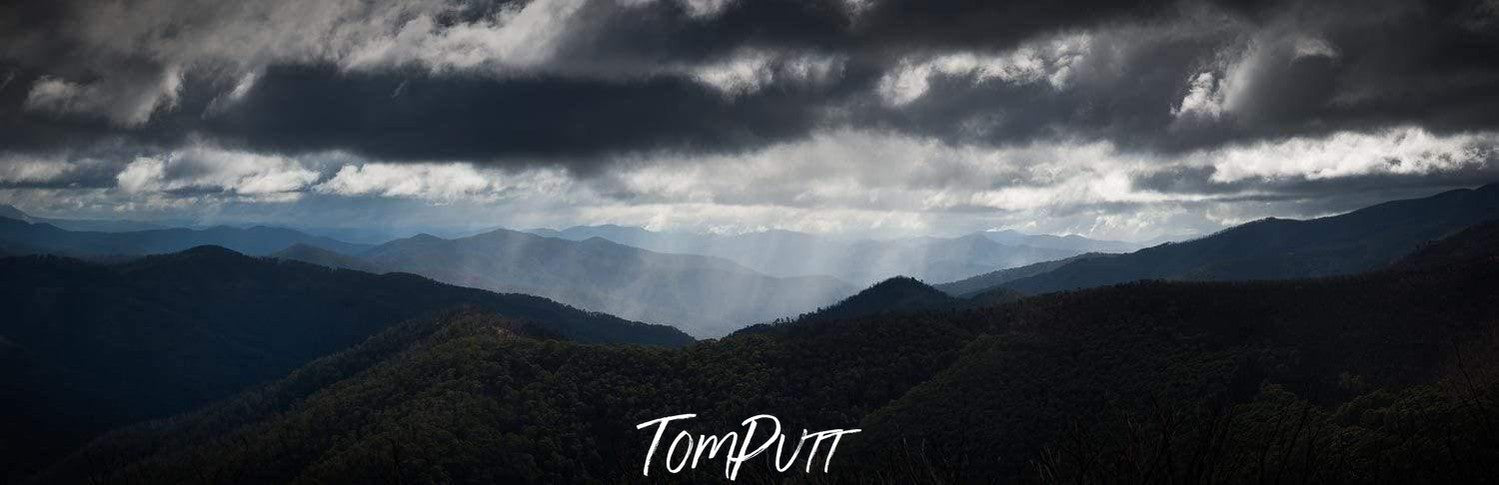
1362 240
91 346
978 284
323 257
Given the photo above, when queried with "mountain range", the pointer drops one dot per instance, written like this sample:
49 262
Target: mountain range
89 346
1387 374
704 296
100 225
18 230
860 261
711 285
1363 240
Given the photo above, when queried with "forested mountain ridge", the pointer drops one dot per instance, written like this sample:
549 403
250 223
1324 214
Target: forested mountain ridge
323 257
1476 243
704 296
163 334
898 295
987 281
895 295
1350 378
1363 240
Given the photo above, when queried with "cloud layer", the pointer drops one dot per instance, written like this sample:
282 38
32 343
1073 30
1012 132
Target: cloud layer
1122 119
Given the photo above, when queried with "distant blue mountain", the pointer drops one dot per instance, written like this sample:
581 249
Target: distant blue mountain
702 295
1072 242
101 225
22 234
863 262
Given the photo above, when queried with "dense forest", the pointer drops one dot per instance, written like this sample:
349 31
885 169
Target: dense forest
165 334
1389 376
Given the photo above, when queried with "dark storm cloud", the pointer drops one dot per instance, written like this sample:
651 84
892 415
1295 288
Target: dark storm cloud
1126 98
627 79
1317 196
419 117
872 30
1389 64
567 113
1433 64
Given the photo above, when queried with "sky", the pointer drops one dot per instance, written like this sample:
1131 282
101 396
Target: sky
1131 120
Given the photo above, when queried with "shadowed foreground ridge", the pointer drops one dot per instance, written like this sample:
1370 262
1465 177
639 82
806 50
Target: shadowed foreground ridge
164 334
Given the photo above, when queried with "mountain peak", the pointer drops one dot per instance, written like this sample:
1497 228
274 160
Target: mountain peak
897 294
207 256
210 250
899 283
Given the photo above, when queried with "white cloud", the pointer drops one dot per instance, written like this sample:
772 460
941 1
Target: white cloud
847 181
750 70
852 180
1314 47
122 100
35 169
705 8
441 182
1052 60
1406 151
518 37
212 169
1204 97
144 174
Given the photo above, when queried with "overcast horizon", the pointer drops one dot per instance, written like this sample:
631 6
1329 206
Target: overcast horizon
1131 121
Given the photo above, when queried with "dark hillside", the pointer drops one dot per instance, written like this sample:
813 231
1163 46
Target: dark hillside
1363 240
90 346
1477 243
963 395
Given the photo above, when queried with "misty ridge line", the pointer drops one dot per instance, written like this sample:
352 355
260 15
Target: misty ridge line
713 285
707 285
